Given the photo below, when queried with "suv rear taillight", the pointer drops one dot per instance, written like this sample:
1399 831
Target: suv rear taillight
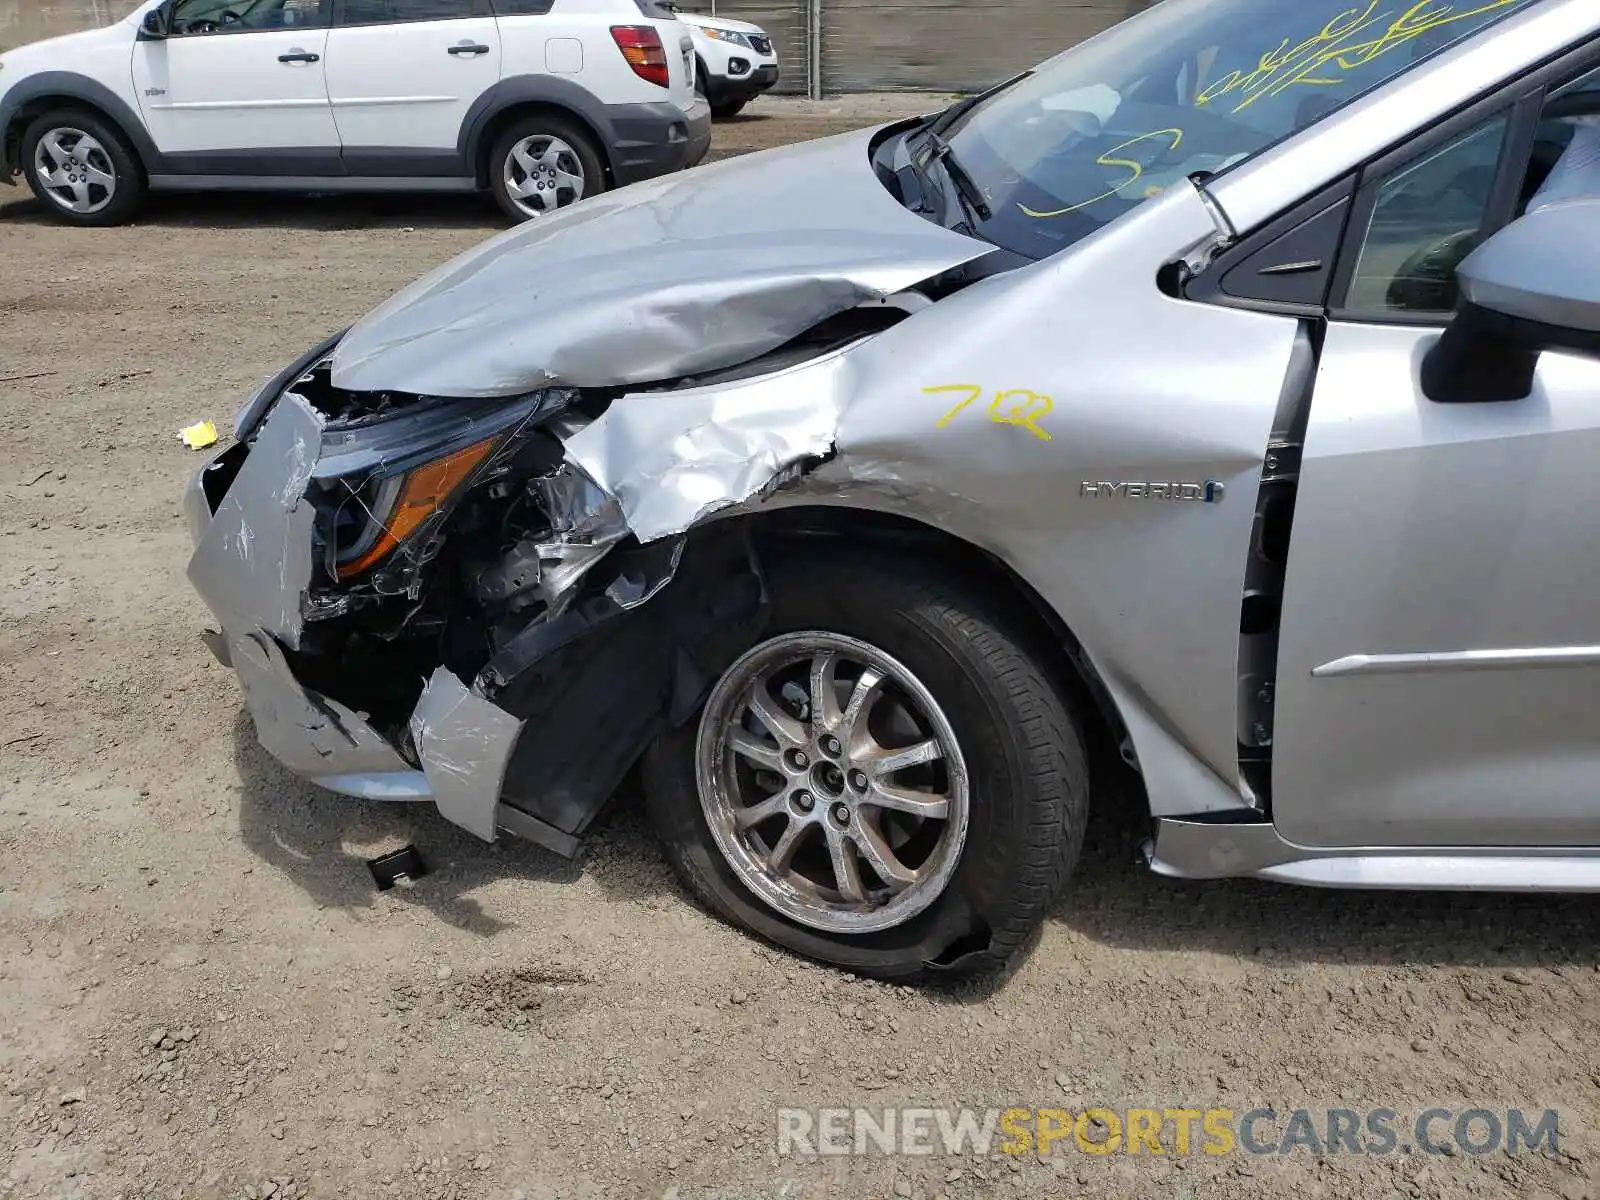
641 46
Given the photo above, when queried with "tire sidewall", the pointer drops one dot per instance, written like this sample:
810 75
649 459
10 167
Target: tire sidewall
594 173
129 172
981 892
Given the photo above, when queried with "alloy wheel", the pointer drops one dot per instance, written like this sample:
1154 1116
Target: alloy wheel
832 782
543 173
75 171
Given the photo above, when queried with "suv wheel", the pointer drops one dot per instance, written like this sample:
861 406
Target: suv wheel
81 168
728 109
886 783
541 164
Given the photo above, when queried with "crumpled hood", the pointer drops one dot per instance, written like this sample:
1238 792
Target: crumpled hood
692 273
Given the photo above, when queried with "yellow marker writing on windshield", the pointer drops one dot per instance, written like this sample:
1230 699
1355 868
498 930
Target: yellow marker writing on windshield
1106 160
1345 44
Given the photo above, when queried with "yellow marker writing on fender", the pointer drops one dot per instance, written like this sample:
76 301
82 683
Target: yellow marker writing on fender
1025 413
972 390
1021 407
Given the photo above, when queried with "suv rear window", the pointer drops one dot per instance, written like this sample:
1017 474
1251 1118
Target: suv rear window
396 12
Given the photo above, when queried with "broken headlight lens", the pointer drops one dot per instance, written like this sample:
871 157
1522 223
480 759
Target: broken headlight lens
398 506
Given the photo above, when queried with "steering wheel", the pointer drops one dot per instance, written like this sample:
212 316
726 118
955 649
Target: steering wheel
1426 281
226 17
1202 127
1143 132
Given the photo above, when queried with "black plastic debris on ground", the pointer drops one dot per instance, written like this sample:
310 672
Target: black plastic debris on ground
388 869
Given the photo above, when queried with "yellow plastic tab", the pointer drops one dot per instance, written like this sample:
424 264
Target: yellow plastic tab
198 437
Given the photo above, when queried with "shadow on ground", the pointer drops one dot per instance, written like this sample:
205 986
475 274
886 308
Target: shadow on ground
290 210
321 842
1117 901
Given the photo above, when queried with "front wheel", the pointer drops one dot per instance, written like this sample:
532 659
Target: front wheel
726 110
81 168
542 164
887 783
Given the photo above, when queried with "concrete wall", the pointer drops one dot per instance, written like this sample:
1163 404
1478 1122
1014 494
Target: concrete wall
867 45
29 20
922 45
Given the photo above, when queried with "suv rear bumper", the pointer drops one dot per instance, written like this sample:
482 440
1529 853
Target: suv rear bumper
651 140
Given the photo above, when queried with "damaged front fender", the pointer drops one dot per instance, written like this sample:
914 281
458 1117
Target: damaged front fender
672 459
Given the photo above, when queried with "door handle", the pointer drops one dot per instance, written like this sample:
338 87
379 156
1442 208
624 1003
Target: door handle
299 56
467 48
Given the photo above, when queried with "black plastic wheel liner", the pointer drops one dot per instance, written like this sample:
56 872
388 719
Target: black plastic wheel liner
598 684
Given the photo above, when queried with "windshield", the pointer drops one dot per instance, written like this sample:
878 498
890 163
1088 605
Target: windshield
1190 85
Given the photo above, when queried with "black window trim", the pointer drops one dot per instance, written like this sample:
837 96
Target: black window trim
1206 287
479 9
325 9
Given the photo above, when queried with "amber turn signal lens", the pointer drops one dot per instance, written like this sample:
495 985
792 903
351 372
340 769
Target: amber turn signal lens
425 490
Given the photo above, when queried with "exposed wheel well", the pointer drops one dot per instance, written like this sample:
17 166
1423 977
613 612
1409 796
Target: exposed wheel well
1110 749
37 106
503 119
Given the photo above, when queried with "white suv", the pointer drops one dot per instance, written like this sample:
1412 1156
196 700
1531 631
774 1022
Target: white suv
541 102
736 61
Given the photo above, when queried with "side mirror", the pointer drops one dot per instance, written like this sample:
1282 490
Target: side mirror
154 27
1534 286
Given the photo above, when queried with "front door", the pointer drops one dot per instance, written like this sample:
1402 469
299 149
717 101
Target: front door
402 76
1439 663
238 88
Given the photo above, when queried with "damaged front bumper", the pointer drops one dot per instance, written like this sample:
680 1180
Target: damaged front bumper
534 682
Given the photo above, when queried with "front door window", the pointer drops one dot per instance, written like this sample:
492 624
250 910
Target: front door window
1427 219
198 17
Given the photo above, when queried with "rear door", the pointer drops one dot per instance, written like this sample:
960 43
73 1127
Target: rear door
238 89
1440 641
402 76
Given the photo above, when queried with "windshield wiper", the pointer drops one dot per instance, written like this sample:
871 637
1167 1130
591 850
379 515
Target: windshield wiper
961 108
969 192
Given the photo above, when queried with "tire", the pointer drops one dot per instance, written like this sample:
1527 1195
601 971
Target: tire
81 198
575 153
728 109
1027 780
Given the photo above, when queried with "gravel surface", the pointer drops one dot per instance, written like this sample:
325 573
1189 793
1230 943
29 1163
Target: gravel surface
202 993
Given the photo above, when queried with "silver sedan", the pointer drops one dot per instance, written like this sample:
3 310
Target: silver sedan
1140 431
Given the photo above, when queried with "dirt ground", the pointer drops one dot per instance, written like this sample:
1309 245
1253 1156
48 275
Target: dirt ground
202 993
